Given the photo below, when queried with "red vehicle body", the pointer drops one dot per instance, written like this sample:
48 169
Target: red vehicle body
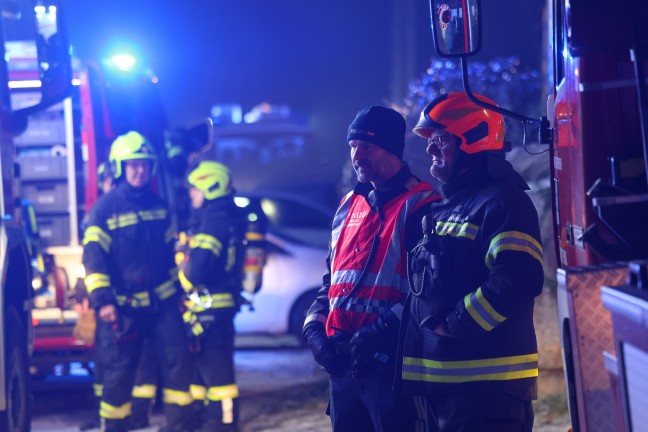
600 208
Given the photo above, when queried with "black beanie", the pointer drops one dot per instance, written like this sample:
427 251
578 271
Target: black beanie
381 126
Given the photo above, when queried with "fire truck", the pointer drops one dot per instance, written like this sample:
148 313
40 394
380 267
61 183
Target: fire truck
40 23
596 130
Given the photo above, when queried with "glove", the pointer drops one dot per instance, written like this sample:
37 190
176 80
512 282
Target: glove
323 349
373 346
85 327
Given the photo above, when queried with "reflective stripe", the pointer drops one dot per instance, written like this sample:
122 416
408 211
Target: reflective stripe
513 241
108 411
121 221
482 311
149 215
496 369
455 229
177 397
98 389
191 319
227 407
137 300
205 241
363 305
33 222
145 391
96 280
186 285
218 301
166 289
222 392
315 317
96 234
198 392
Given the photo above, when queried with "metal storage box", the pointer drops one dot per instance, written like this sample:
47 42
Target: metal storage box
42 167
47 197
54 230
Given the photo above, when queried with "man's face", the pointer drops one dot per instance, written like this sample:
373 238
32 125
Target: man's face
443 148
197 197
372 163
137 172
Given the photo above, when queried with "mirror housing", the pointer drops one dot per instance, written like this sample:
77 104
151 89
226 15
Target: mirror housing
456 27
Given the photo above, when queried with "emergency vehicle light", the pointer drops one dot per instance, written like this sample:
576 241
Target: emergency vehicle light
124 62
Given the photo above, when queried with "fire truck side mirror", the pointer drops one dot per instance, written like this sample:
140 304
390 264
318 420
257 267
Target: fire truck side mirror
456 29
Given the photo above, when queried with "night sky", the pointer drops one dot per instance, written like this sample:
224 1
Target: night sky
327 59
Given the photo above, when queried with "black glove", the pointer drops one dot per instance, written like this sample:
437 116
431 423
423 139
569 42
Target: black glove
374 346
323 349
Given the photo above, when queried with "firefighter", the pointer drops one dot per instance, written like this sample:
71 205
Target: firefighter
352 327
470 345
131 280
211 277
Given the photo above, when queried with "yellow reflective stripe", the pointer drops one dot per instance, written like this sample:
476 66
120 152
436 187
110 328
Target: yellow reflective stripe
40 262
144 391
32 219
184 282
227 406
221 300
482 311
205 241
169 235
455 229
191 319
121 221
96 234
96 280
108 411
198 392
222 392
149 215
496 369
513 241
177 397
166 289
98 389
137 300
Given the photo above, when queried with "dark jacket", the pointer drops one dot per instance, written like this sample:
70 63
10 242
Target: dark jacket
476 273
214 255
128 250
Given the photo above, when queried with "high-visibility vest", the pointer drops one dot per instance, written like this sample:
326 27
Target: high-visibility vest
368 258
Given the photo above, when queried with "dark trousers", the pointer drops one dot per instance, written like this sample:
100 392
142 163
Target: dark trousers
145 387
119 346
368 404
491 412
215 371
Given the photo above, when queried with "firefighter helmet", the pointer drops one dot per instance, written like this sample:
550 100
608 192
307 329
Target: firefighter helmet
478 128
129 146
212 178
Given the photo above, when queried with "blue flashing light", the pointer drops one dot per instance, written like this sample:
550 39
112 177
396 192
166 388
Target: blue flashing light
124 62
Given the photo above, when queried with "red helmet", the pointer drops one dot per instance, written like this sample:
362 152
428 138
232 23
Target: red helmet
479 129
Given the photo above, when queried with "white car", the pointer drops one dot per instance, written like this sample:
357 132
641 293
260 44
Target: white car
298 234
